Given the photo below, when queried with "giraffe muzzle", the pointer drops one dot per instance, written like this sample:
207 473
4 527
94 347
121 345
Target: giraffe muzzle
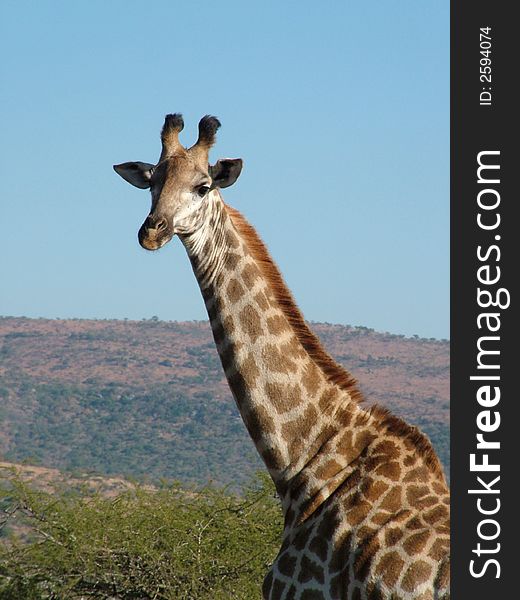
154 233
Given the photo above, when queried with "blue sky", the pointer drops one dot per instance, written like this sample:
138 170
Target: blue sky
340 111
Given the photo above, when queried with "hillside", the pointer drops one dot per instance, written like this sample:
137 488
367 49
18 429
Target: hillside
148 398
52 480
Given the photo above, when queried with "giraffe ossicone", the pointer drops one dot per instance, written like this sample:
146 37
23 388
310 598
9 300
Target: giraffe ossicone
364 497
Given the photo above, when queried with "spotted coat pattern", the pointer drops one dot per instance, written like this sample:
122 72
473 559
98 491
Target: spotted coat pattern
365 502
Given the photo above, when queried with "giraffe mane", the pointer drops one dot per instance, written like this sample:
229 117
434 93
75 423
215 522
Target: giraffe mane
333 371
400 428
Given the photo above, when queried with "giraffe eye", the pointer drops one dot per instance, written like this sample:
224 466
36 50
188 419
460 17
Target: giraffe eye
203 190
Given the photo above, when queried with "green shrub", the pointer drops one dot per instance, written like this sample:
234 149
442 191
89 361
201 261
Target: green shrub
168 543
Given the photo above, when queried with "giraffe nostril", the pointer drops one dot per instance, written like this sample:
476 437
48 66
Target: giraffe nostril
161 225
158 225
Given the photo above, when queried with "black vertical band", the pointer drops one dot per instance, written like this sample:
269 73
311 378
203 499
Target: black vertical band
485 248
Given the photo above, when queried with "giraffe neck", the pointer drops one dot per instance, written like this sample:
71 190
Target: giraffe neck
295 401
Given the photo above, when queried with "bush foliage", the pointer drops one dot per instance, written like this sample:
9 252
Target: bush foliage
165 544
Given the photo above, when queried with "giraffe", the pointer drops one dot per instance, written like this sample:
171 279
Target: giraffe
363 495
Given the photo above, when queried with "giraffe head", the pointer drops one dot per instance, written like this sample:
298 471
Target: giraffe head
180 183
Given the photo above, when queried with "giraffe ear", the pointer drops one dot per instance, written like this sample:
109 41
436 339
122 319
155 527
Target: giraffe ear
225 172
136 173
